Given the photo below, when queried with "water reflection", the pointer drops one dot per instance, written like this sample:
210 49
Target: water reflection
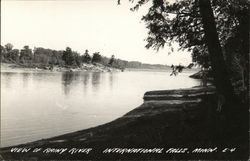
39 77
69 77
67 80
26 79
96 79
86 77
6 77
111 80
56 103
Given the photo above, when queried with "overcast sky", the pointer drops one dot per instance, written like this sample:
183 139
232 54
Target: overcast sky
96 25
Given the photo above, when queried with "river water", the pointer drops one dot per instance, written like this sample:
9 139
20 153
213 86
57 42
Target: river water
36 105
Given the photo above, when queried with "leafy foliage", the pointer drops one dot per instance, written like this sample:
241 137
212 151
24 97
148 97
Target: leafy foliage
182 22
112 59
47 58
96 57
9 47
86 57
68 56
26 55
179 68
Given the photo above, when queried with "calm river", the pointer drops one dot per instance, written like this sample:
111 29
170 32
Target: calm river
36 105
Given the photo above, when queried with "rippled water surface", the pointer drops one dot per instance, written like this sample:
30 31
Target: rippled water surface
36 105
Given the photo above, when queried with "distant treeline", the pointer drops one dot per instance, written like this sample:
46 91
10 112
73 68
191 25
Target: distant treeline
41 57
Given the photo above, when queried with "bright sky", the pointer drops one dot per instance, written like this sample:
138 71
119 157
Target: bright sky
97 25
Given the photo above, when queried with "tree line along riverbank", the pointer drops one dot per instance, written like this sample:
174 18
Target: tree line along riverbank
48 59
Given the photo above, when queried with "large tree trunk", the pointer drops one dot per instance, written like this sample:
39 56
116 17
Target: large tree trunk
221 76
243 18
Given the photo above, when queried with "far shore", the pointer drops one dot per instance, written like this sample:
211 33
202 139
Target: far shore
85 67
13 67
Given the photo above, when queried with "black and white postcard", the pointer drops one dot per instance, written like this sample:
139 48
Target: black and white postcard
124 80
